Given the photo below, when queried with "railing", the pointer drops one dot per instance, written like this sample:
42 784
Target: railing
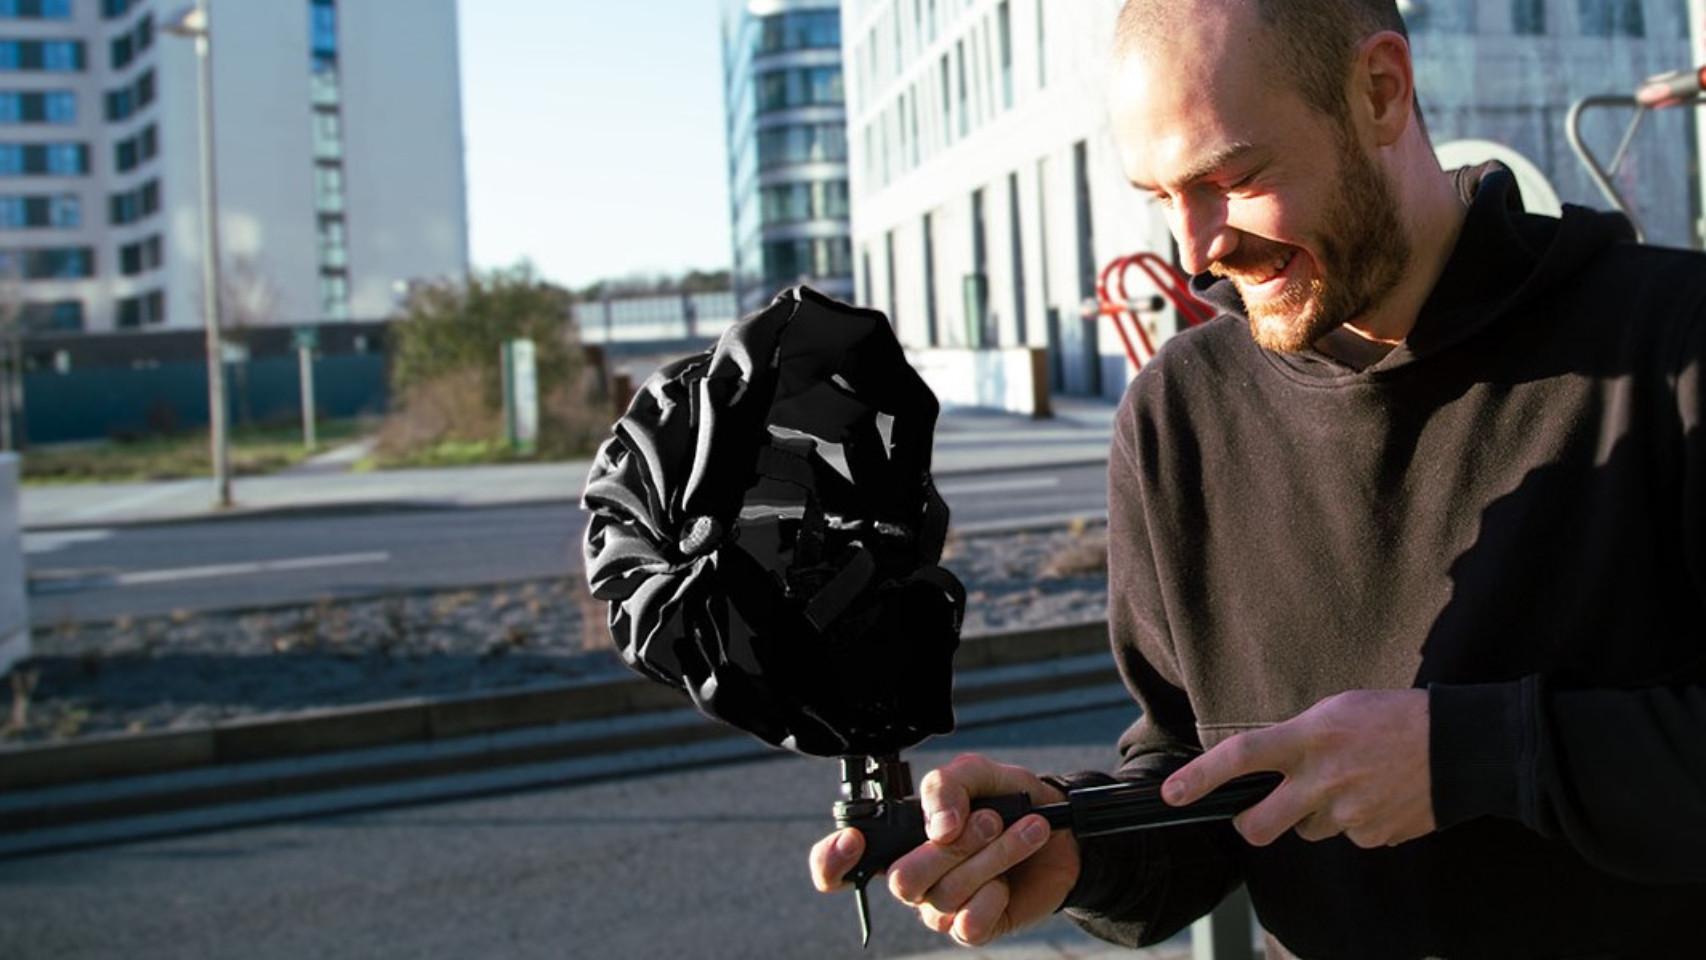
1114 301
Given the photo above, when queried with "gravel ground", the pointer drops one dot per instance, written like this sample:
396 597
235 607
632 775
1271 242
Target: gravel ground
185 671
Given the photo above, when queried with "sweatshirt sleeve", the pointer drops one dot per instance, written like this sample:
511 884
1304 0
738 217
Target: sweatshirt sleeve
1141 888
1619 775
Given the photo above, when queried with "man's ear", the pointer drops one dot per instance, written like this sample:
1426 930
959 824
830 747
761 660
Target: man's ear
1383 87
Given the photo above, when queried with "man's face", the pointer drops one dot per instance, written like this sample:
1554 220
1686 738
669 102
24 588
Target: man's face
1259 187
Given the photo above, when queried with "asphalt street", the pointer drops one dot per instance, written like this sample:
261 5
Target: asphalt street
706 862
100 574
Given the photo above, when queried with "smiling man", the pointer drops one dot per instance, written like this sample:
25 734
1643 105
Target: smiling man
1419 522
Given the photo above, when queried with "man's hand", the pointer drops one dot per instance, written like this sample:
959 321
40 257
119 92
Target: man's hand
971 880
1356 763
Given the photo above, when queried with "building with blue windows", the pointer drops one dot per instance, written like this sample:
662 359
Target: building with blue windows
787 137
338 139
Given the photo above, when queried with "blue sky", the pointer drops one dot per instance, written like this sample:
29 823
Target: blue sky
594 134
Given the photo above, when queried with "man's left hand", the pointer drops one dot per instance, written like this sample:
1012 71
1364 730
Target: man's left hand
1356 763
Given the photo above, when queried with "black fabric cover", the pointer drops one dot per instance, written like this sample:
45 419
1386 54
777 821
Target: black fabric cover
791 597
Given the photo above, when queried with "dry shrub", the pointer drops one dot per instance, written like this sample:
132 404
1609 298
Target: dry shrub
574 418
449 407
1083 555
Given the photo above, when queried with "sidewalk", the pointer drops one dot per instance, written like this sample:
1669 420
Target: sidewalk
967 441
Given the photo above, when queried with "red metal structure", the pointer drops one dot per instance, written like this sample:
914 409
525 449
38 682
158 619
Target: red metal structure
1118 305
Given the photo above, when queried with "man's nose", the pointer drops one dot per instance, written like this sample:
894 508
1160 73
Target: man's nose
1203 235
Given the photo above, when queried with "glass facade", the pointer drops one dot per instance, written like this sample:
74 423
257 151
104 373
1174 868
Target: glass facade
324 93
787 138
45 106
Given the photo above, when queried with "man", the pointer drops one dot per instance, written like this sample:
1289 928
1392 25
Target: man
1419 522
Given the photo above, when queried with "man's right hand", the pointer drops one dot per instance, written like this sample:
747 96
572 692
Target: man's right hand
971 880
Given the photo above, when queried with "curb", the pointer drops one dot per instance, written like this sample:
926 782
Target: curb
135 786
420 720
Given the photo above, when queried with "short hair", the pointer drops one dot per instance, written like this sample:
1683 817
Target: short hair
1314 38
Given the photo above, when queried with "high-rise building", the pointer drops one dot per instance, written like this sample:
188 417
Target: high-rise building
787 141
987 191
338 144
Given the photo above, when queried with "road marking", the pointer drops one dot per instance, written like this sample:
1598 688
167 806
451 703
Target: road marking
996 486
49 542
139 577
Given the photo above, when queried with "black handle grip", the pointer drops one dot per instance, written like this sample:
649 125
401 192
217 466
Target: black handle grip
1122 807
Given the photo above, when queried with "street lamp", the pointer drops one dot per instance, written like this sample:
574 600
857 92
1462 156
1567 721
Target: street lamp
192 22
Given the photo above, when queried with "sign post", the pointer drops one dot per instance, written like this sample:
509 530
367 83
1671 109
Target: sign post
307 340
521 396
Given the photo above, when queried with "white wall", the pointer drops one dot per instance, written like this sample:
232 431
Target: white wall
402 114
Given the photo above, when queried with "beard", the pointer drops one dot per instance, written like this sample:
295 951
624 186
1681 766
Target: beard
1363 249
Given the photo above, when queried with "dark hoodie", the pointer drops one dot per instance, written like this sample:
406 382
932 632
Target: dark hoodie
1508 510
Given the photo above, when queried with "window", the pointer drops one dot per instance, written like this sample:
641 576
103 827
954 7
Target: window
799 87
328 189
22 212
334 254
1004 32
800 30
323 31
788 261
38 159
1042 49
132 205
947 103
52 106
55 56
49 263
126 100
55 316
1528 16
127 45
793 202
328 135
134 258
334 296
142 310
963 108
133 151
933 331
1016 242
116 8
35 9
816 143
1607 18
1444 16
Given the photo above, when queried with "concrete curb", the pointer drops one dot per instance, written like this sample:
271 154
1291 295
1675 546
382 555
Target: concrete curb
420 720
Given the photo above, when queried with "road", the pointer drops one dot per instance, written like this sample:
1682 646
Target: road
231 564
703 863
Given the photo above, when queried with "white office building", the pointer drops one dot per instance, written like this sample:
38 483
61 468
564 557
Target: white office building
987 193
338 139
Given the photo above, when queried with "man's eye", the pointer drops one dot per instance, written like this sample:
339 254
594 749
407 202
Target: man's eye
1164 199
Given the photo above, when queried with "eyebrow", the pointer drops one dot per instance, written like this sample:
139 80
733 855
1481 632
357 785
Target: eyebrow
1223 157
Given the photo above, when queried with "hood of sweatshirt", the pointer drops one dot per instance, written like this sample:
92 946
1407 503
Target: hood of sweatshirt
1503 257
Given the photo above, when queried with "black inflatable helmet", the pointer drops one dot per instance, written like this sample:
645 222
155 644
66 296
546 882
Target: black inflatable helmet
766 532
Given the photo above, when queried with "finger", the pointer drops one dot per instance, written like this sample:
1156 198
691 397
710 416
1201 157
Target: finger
960 885
933 919
833 856
1317 827
912 876
1283 809
1270 748
984 917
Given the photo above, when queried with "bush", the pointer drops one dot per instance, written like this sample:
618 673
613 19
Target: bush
447 378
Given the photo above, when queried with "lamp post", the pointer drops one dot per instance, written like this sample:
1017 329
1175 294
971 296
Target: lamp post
192 22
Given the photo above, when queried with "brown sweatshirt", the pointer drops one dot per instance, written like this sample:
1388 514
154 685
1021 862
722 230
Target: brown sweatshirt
1508 510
